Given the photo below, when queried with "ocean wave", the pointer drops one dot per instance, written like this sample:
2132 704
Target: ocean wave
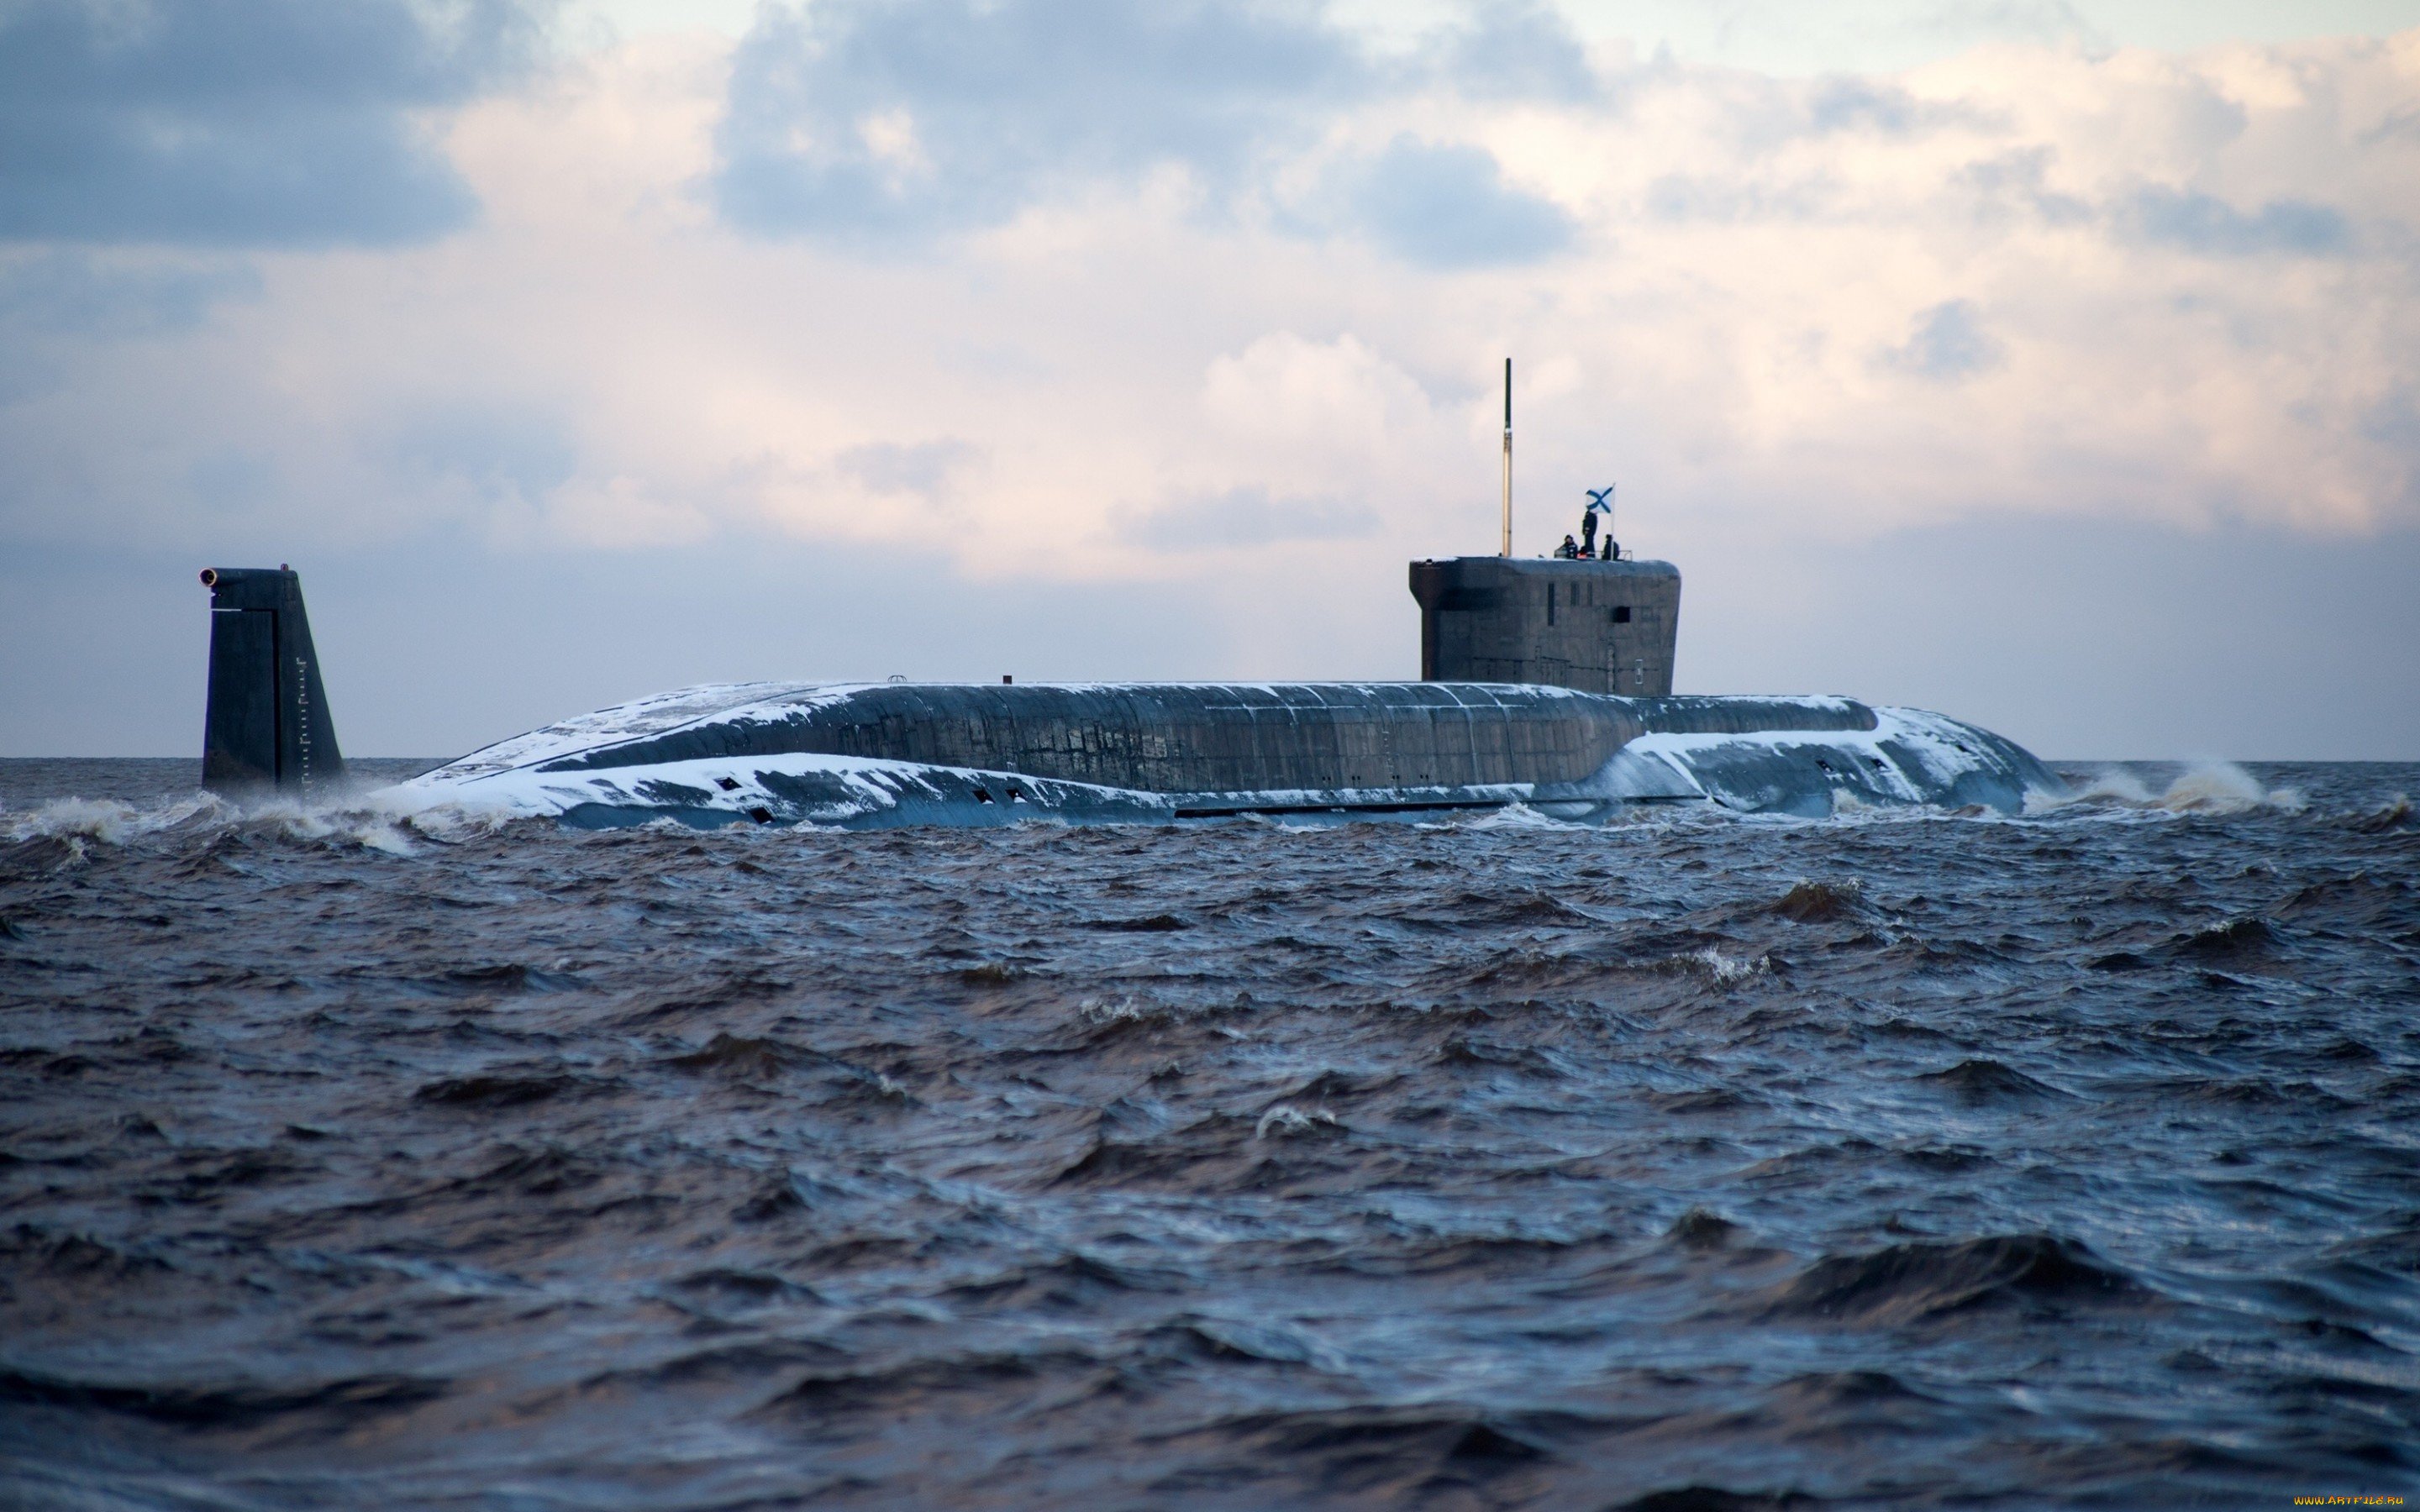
108 820
2203 787
1694 1162
1916 1283
368 820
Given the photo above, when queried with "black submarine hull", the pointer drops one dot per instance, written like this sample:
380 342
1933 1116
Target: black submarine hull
879 755
1573 715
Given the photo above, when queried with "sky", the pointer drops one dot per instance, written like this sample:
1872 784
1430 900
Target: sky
2055 365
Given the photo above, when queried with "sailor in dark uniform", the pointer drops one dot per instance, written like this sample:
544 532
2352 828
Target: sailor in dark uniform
1600 501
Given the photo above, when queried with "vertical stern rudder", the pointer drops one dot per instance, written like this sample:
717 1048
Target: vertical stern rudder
268 724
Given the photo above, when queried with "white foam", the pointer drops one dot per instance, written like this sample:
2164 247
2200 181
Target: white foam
109 821
1113 1010
2223 786
1286 1120
1513 816
1726 970
381 819
2204 787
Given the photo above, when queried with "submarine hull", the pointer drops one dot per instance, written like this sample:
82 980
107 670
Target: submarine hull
883 755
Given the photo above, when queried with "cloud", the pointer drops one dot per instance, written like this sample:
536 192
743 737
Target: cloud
1952 307
495 453
2045 22
1340 403
2210 226
860 120
1445 205
234 480
1949 344
1246 516
1855 104
1725 199
2394 424
2016 182
890 124
241 123
58 305
2048 291
1515 50
67 293
923 468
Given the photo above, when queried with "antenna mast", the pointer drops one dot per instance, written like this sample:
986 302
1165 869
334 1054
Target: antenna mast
1508 458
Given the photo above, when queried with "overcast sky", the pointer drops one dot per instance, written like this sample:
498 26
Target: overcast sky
2055 365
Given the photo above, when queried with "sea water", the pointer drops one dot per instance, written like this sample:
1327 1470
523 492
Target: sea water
1689 1160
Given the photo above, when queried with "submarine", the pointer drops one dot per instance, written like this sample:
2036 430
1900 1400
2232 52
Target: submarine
1544 682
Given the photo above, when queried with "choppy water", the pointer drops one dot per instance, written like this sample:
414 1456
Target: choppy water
1690 1163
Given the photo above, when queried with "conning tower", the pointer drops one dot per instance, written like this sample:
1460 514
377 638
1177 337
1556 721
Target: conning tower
268 724
1598 627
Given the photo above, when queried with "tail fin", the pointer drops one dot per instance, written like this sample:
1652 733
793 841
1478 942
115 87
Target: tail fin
268 724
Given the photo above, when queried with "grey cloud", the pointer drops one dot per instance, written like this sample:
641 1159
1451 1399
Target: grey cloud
495 451
52 303
2394 424
1948 344
1244 518
2402 124
2208 225
1764 115
890 122
1846 104
81 294
26 373
1768 115
235 480
1691 197
1516 51
241 122
2017 179
2043 22
918 468
1853 105
1445 205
